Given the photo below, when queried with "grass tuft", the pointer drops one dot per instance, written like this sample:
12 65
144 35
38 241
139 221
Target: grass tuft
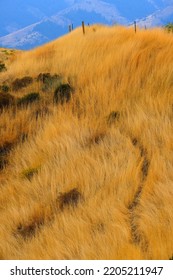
112 117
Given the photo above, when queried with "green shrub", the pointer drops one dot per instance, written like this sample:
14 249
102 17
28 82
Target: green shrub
63 93
28 99
21 83
2 67
6 100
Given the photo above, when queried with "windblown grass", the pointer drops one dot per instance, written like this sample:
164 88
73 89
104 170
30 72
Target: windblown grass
102 184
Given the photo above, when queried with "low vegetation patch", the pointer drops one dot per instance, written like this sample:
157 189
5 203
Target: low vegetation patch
3 162
4 151
6 100
4 88
50 82
6 148
63 93
2 67
27 231
21 83
70 198
28 99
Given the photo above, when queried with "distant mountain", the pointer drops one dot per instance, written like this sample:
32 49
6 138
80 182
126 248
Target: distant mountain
30 23
17 14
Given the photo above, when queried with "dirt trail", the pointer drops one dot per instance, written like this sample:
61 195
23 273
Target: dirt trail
137 237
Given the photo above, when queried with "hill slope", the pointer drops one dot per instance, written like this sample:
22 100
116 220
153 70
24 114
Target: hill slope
86 164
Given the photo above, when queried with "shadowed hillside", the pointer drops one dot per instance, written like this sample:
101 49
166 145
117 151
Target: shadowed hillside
86 147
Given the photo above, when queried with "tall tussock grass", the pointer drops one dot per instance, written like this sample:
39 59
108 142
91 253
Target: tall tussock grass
90 178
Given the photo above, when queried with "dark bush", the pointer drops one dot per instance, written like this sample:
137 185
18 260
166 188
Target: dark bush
28 230
21 83
3 162
4 151
169 27
6 148
28 99
63 93
6 100
2 67
49 81
70 198
43 77
4 88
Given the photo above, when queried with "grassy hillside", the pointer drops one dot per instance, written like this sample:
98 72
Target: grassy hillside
86 147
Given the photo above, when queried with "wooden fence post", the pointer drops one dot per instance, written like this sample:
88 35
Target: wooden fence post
135 26
83 27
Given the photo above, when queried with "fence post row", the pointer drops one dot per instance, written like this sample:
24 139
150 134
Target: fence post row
70 27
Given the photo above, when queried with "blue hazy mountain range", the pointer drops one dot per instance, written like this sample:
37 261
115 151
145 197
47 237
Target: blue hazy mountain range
27 24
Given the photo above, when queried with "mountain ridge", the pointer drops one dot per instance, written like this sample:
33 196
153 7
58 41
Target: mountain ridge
149 13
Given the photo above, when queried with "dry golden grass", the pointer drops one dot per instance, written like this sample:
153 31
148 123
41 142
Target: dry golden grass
93 178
